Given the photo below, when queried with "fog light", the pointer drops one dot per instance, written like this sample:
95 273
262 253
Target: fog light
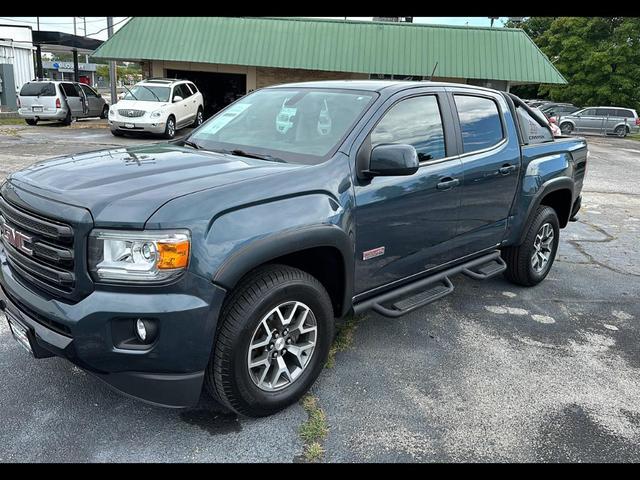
141 330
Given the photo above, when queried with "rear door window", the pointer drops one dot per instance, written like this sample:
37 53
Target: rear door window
69 90
480 122
38 89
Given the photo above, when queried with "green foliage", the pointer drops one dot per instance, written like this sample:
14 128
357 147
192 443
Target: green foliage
599 57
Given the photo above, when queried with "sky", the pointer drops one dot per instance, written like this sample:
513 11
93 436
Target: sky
97 26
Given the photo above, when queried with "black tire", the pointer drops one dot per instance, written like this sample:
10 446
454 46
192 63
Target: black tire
117 133
566 128
199 118
621 131
67 120
227 377
519 258
170 128
31 121
105 112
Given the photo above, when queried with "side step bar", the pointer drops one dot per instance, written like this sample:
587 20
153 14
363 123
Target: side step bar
422 292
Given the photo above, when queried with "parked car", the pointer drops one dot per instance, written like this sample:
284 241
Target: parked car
159 106
223 258
608 120
558 110
62 101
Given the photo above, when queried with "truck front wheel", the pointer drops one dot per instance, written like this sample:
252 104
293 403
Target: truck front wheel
529 263
273 341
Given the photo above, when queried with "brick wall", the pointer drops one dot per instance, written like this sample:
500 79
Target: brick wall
273 76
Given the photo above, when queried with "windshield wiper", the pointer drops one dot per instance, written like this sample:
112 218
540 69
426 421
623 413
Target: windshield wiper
242 153
193 145
154 93
134 97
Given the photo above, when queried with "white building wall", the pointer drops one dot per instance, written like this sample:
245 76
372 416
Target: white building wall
16 48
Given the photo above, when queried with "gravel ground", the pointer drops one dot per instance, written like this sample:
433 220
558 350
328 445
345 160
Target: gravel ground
493 372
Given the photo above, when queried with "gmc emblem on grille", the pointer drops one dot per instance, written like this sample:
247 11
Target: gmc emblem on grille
16 238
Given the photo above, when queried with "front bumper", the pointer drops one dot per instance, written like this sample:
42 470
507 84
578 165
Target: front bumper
140 124
169 373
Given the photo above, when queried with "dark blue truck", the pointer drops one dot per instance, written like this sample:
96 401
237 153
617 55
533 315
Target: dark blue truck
222 260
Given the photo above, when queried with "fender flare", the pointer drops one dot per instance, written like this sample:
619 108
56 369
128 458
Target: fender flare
286 242
553 185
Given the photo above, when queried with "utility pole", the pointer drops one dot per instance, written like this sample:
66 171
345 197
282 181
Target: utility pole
38 22
84 19
112 65
74 26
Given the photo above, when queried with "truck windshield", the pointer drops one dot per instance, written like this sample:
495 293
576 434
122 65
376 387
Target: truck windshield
303 125
148 93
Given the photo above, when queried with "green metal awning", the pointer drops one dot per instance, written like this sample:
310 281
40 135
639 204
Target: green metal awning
335 45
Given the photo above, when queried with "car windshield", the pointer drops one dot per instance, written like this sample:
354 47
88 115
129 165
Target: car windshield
303 125
148 93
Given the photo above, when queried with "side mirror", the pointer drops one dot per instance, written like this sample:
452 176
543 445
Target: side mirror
393 160
177 98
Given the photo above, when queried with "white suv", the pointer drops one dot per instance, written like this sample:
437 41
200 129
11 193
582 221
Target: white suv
159 106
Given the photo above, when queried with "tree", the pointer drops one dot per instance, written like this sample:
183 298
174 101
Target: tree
599 57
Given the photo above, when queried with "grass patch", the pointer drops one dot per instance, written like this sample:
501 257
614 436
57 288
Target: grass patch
343 340
12 121
635 136
314 430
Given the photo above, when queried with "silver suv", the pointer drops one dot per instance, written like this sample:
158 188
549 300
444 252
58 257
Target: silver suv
608 120
56 100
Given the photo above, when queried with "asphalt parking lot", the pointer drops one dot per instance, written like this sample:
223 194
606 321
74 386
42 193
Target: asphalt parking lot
493 372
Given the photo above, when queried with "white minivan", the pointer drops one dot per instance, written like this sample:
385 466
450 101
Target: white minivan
59 100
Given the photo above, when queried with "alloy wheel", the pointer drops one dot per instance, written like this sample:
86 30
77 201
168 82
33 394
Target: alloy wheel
282 346
543 248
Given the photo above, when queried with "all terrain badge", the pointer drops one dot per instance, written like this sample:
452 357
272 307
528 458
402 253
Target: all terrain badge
376 252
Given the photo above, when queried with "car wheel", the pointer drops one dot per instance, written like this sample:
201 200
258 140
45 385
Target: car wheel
105 112
170 128
117 133
31 121
621 131
199 118
566 128
529 263
272 342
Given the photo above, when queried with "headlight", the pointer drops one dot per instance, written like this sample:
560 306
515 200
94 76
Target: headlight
112 112
138 257
156 114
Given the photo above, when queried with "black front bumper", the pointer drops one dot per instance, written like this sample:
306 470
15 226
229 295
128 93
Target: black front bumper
169 373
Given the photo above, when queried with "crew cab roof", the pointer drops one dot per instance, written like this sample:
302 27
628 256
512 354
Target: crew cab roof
375 85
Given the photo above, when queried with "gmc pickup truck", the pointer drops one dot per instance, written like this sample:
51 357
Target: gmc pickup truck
222 260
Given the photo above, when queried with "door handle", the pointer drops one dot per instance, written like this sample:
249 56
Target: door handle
447 183
507 169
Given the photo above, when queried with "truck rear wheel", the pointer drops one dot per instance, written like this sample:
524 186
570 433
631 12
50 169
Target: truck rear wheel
272 342
529 263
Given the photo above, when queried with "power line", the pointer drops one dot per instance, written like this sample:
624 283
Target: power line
117 23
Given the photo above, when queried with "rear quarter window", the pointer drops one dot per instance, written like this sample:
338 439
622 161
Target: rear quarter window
531 128
38 89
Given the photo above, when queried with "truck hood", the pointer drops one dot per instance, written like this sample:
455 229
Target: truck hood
123 187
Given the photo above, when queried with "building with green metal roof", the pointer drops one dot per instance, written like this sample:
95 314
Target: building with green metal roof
229 56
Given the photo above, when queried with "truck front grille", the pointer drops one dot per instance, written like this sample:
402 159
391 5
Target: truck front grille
38 249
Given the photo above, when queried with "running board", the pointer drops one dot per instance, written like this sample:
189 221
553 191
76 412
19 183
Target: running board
408 298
